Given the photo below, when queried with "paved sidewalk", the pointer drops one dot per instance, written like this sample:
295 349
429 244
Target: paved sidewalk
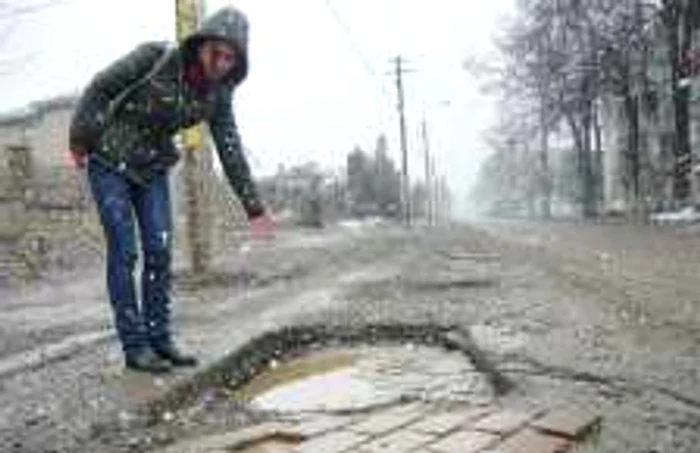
417 427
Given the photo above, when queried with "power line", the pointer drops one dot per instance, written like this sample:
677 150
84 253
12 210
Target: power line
398 72
356 48
7 11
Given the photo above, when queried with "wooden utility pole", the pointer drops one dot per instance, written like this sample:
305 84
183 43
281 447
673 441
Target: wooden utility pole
197 160
428 178
405 182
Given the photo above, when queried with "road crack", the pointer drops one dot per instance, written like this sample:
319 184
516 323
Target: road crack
618 383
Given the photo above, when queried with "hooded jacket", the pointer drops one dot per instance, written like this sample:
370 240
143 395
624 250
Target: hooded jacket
130 112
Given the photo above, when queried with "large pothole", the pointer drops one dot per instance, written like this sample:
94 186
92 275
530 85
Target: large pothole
372 388
430 360
360 378
332 371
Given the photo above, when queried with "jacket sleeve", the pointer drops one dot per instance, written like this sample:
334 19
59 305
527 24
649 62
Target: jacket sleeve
90 113
228 145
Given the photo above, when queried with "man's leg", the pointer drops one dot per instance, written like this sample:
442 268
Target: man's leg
112 195
154 214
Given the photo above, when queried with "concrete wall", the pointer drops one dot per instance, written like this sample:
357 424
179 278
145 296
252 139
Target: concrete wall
11 135
49 138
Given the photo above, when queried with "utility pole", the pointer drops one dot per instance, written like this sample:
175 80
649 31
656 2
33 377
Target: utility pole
405 183
430 172
196 160
428 179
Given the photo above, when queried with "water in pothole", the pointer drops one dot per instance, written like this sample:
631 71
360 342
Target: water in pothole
360 378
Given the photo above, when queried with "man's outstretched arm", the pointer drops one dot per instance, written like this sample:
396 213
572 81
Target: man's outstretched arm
233 160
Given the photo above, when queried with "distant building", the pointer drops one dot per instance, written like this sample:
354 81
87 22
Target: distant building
41 130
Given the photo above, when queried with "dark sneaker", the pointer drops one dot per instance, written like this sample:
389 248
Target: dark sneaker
175 356
148 362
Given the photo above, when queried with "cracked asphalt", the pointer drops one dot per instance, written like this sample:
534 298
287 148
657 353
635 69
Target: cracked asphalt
603 315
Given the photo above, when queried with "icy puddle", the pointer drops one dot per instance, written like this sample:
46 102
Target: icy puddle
360 378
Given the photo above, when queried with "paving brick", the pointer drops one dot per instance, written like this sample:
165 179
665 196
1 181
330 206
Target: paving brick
532 441
234 439
463 442
335 442
322 424
389 420
570 422
445 422
399 442
503 422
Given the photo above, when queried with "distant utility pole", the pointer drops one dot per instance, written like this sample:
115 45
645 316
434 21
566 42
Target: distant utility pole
428 178
405 183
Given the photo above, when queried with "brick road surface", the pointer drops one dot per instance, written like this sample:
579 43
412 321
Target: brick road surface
418 428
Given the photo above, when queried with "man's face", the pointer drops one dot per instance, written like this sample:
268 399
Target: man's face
217 59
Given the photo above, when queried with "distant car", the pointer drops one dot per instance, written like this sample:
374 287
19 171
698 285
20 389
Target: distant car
686 215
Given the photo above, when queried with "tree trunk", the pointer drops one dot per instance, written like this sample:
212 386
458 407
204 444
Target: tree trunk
678 28
598 147
633 167
545 176
582 141
589 202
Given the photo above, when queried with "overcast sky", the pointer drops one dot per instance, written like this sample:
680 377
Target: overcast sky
311 92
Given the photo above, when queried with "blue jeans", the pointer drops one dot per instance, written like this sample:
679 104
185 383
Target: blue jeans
120 201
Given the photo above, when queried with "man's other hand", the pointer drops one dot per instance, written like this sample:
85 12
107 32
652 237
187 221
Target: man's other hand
78 157
262 227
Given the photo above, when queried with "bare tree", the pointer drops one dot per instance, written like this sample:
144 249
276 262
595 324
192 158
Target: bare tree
680 17
562 57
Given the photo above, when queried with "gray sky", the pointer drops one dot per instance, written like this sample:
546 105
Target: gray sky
309 95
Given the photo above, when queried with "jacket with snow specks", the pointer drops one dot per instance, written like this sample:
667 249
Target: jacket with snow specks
134 133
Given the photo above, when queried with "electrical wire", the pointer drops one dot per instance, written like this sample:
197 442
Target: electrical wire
335 14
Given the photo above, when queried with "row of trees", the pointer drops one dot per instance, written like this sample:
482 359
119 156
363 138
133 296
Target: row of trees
374 183
369 186
563 62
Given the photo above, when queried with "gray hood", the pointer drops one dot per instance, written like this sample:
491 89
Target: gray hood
227 24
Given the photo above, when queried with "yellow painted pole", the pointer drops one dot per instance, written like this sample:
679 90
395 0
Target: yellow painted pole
188 15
